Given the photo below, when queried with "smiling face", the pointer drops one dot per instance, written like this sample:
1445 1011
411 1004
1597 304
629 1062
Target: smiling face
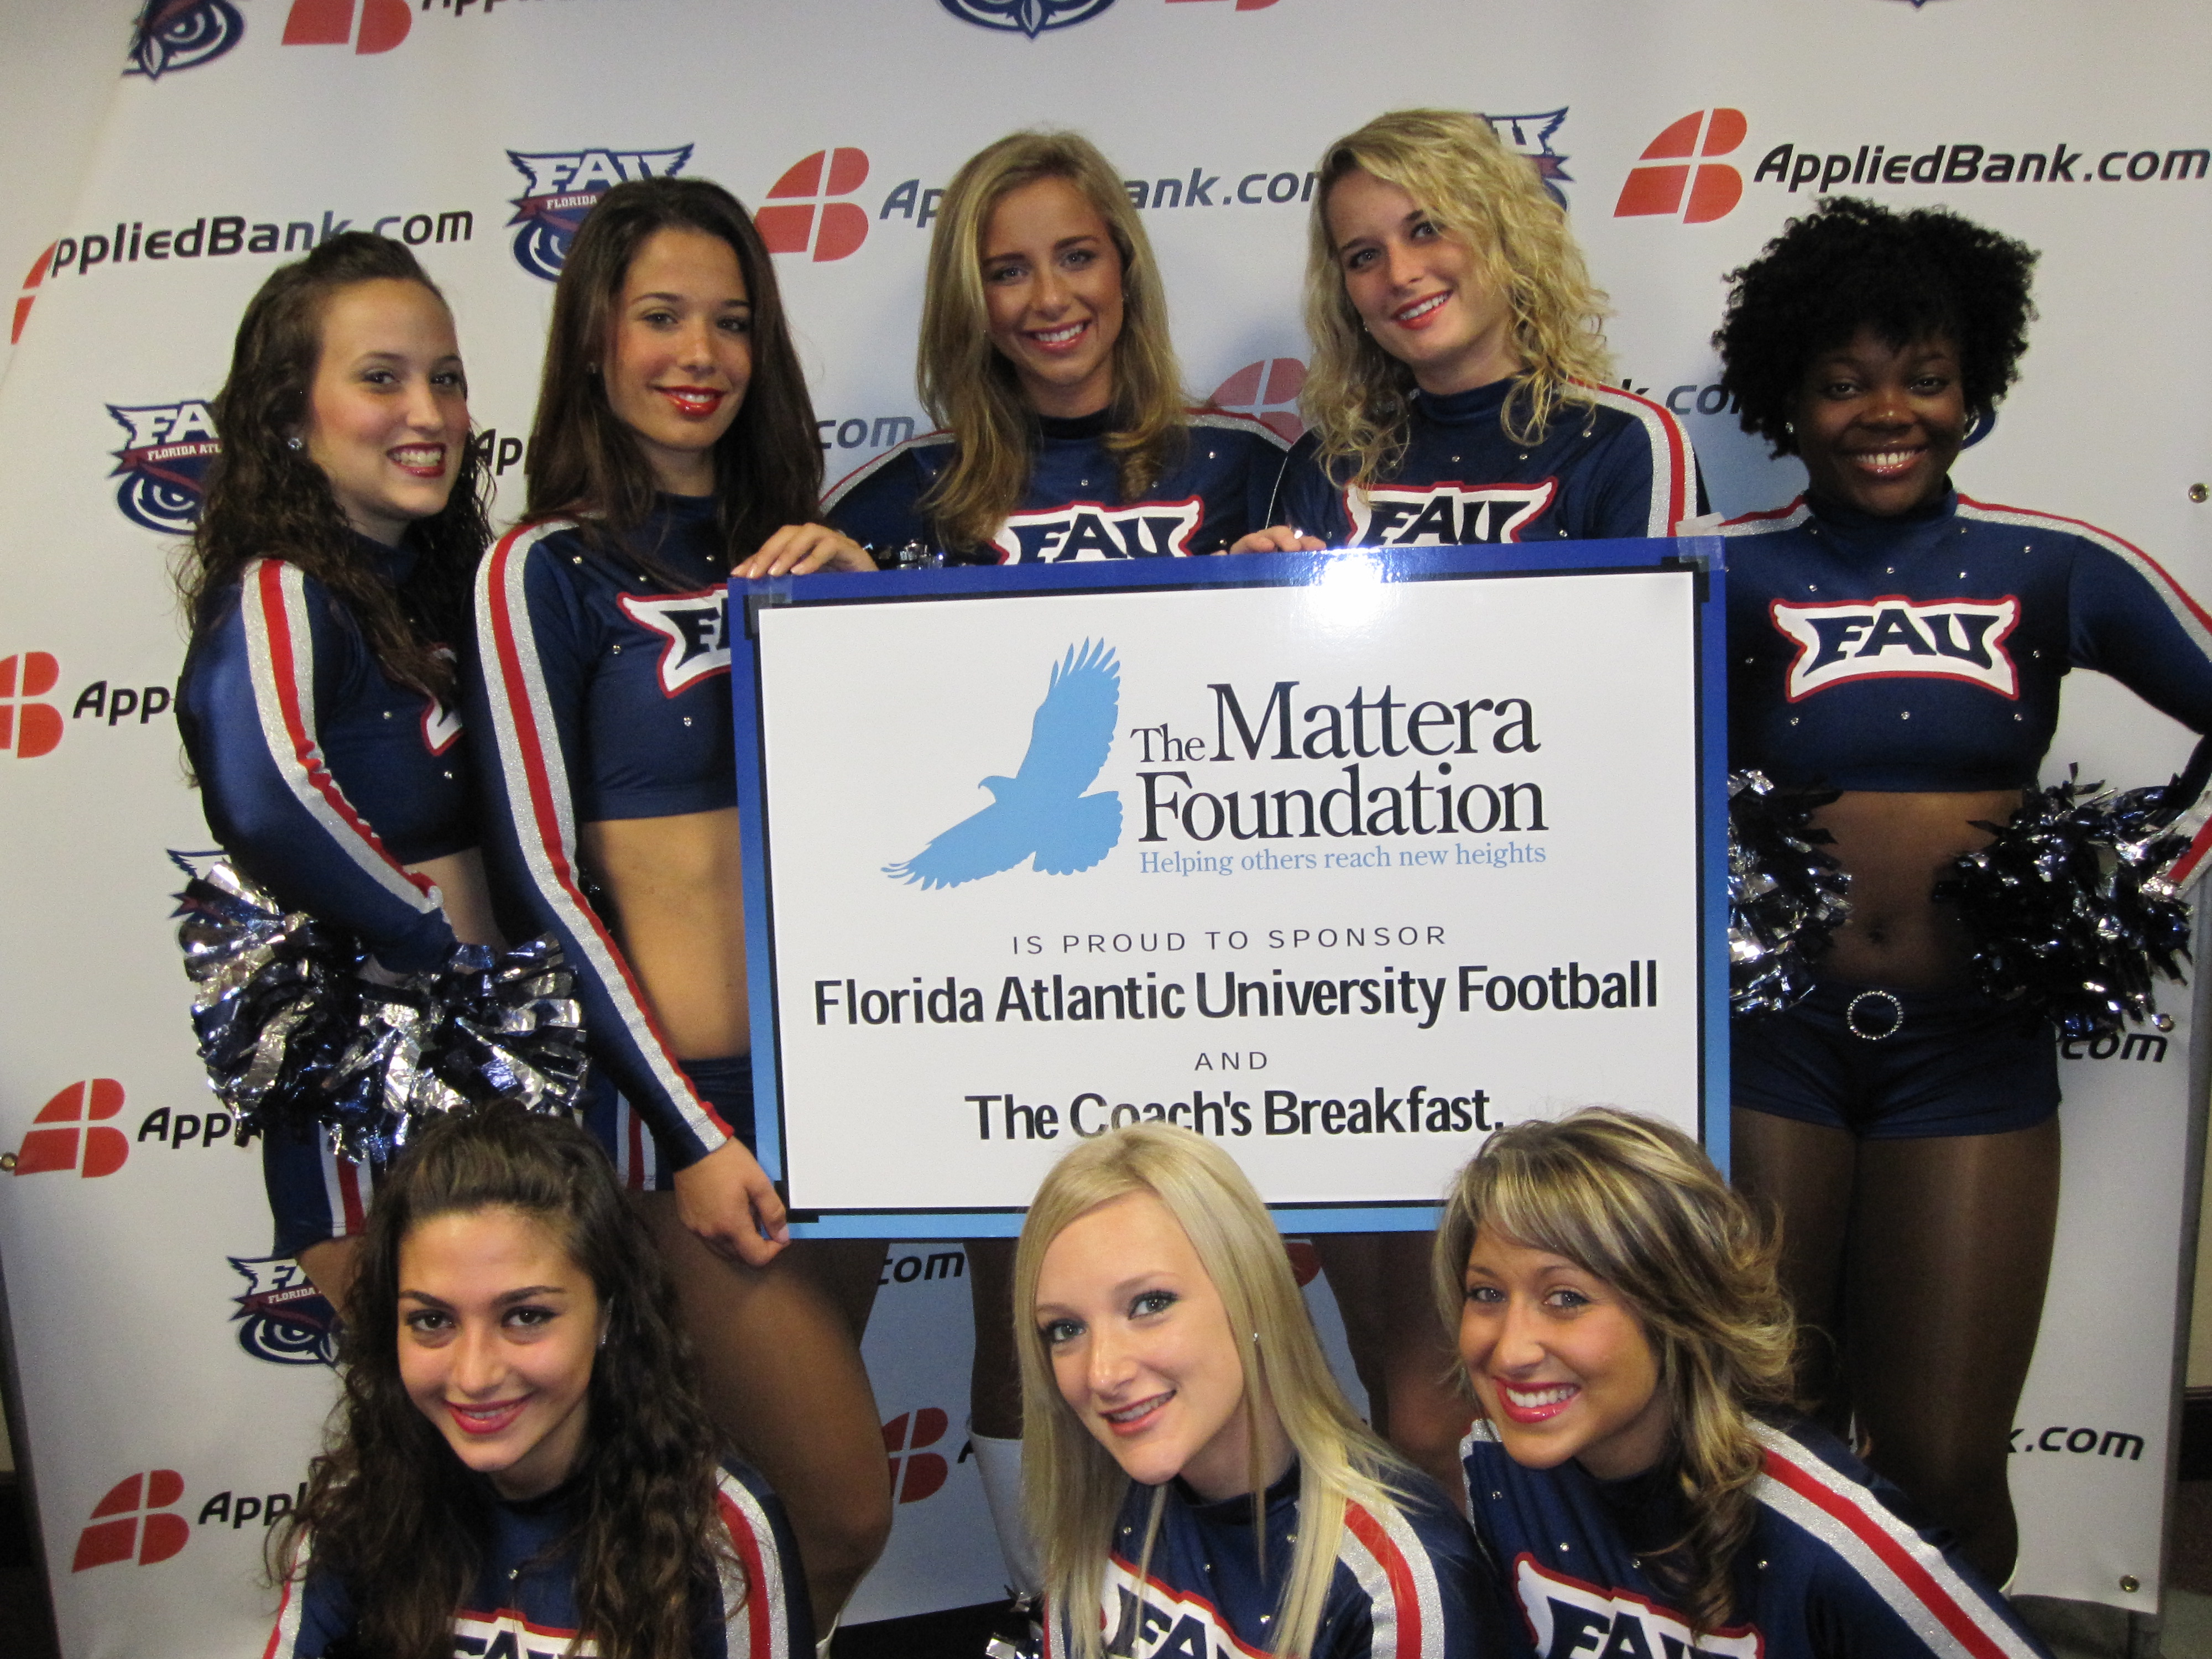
1559 1362
1142 1350
498 1327
681 354
1878 425
388 407
1052 289
1422 293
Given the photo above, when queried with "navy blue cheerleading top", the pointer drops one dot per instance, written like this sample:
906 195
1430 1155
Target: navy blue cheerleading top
322 778
1407 1583
1616 466
603 693
1071 507
1836 1567
523 1604
1925 652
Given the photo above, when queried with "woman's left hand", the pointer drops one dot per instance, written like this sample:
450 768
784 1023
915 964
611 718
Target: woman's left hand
800 549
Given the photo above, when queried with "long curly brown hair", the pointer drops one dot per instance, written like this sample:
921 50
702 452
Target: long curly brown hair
1639 1206
401 1522
268 499
584 463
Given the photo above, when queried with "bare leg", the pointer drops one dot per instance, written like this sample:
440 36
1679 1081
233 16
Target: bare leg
1951 1249
331 1265
780 1365
994 1381
1805 1173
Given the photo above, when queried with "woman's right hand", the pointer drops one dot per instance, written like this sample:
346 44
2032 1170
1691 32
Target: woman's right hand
1280 539
727 1200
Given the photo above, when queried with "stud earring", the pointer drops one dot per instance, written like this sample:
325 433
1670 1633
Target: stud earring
295 443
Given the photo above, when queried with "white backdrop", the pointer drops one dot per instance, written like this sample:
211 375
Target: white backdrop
431 118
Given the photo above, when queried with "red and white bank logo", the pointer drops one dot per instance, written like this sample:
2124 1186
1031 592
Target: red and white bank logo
37 274
135 1520
1267 390
915 1473
383 24
1677 174
28 727
802 214
71 1132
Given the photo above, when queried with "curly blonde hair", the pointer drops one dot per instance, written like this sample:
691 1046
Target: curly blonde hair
970 389
1490 200
1639 1206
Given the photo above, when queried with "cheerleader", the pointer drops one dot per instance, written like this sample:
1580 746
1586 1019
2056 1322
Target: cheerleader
1066 435
1636 1474
1045 359
519 1459
327 588
675 446
1891 639
1457 394
1199 1484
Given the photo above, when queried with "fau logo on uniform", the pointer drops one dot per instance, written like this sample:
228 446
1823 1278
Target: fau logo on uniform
508 1635
1446 514
164 464
1088 530
696 627
564 185
1153 1622
282 1317
1570 1619
175 34
1890 636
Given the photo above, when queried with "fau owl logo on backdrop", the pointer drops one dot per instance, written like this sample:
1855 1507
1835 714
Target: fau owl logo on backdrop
1029 17
177 34
697 629
164 463
1445 515
1531 136
1569 1617
562 186
1891 637
282 1317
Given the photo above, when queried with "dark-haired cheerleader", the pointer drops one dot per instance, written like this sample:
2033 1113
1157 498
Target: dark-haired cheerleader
674 446
520 1461
327 589
1895 641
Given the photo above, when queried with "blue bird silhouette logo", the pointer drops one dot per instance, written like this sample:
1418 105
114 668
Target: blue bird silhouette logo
1042 812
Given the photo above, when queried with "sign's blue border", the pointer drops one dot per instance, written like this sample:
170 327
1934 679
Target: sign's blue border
1698 559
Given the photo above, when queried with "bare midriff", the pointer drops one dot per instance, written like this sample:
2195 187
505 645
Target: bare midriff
675 902
1896 847
460 878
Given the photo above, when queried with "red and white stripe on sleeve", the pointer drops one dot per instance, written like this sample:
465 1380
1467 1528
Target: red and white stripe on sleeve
281 656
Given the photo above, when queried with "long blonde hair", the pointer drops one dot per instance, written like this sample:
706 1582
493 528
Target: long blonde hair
1073 1486
972 391
1639 1206
1489 198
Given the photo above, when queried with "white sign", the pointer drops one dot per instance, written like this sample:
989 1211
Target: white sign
1340 870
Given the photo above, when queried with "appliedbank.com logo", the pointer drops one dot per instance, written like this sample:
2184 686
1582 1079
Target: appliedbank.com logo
1682 173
